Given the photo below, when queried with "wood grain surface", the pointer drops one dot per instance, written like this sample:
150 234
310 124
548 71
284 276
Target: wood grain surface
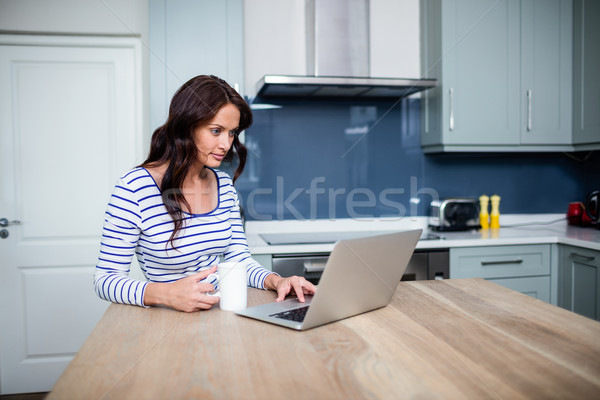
451 339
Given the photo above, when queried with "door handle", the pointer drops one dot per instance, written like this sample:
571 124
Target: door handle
5 222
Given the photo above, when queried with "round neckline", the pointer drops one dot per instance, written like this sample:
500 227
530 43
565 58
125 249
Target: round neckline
188 213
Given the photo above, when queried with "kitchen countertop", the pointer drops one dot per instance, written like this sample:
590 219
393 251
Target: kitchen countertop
455 339
515 229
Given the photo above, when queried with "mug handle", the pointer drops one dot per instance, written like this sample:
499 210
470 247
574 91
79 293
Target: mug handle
216 293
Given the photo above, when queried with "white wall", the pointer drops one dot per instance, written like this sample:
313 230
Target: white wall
83 17
395 40
75 16
274 39
274 32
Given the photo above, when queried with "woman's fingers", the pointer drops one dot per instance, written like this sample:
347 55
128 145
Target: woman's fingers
300 286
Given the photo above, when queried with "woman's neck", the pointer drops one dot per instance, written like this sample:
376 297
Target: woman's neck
197 173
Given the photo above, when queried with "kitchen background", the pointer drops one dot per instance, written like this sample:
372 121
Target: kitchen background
345 158
305 140
381 173
308 159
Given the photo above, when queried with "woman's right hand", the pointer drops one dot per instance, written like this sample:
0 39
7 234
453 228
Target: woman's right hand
187 294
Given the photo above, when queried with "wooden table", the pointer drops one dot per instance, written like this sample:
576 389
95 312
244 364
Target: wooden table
451 339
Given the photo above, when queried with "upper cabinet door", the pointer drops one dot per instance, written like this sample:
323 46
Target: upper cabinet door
511 75
546 48
586 81
480 56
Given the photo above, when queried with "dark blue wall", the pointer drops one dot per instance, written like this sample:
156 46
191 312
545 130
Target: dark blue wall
318 159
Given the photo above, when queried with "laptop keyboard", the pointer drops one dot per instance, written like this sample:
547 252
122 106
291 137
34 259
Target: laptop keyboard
297 314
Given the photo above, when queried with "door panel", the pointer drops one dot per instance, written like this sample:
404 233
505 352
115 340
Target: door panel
580 281
59 138
585 284
546 71
481 44
69 125
46 315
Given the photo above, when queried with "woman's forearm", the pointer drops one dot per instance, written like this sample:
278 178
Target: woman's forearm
156 293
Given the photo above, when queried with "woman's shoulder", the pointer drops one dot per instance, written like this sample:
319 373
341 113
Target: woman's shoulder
226 189
223 177
136 177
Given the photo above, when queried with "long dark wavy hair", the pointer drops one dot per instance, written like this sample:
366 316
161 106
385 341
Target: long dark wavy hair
194 104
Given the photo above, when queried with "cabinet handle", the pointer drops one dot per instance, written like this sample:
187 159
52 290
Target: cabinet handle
451 95
529 94
496 262
587 258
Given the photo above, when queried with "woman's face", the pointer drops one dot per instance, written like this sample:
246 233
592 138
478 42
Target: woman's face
213 139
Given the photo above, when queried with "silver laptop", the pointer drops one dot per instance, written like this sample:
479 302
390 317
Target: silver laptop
360 275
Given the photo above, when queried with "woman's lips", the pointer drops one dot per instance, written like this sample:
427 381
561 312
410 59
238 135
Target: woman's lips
219 157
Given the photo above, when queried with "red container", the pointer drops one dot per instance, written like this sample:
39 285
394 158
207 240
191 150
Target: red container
576 213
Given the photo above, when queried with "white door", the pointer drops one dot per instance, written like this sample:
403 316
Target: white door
70 123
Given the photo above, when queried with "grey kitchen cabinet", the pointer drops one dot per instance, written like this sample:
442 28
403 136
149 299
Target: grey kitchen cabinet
586 81
546 72
189 38
525 268
473 51
579 287
505 77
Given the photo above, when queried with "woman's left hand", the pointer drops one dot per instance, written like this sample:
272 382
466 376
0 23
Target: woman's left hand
285 286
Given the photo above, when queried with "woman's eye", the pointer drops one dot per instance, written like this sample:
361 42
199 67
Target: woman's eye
215 131
232 133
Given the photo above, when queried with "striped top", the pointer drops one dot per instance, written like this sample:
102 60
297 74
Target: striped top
136 221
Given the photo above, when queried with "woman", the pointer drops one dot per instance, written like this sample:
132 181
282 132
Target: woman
178 213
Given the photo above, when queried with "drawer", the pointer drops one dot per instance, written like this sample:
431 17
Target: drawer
537 287
500 261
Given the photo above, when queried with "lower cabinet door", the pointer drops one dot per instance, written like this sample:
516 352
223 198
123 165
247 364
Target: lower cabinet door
580 281
536 287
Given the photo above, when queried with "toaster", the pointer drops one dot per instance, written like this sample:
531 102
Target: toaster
456 214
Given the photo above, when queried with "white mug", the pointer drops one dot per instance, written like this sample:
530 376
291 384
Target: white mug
233 290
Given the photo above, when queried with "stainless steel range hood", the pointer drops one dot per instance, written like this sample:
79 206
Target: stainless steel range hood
341 87
337 54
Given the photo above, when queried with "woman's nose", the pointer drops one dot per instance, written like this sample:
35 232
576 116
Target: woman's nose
225 142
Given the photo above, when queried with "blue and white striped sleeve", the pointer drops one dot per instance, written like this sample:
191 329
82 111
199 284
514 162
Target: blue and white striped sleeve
120 235
238 249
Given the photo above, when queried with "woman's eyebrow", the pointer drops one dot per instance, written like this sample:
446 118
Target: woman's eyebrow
222 127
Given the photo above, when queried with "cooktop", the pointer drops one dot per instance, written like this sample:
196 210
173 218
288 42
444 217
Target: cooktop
328 237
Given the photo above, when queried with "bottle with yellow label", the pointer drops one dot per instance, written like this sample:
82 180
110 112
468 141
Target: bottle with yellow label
483 211
495 214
